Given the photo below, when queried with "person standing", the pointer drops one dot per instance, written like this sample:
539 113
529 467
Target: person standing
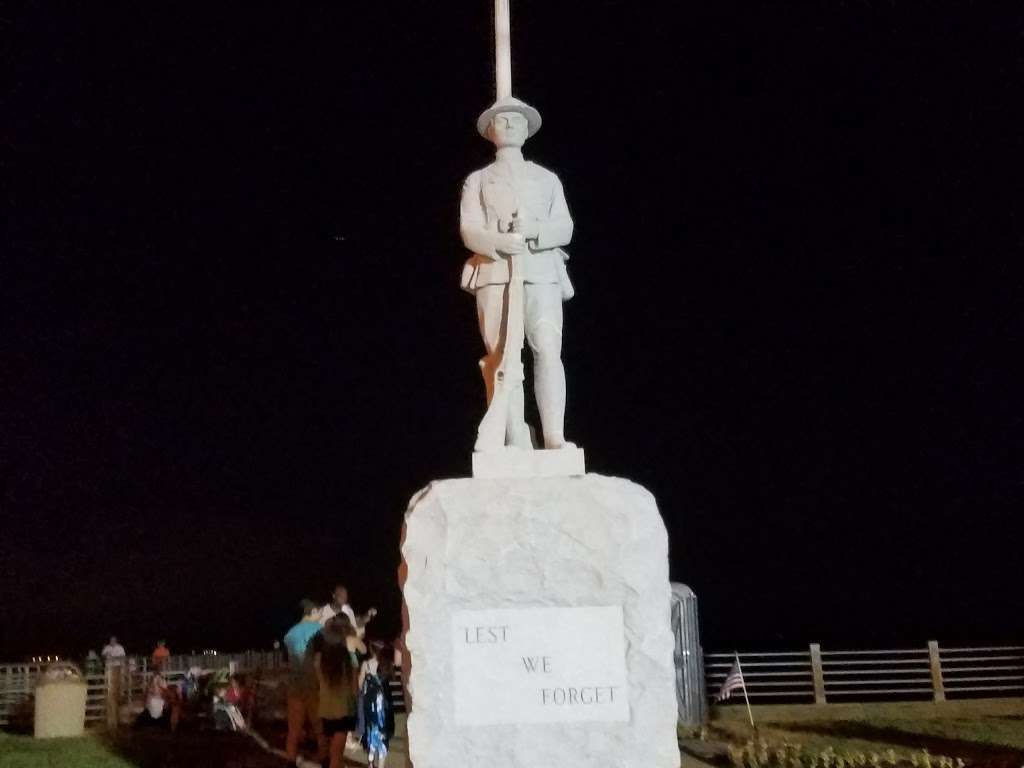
114 657
113 652
339 604
93 665
155 702
303 689
337 675
376 713
160 655
162 703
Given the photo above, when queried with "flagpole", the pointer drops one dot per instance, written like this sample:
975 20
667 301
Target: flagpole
743 682
502 50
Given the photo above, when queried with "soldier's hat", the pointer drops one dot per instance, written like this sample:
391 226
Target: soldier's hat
509 104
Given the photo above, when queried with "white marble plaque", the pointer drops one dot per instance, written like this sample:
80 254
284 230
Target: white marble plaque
539 665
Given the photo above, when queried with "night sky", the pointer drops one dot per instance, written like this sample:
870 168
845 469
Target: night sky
233 345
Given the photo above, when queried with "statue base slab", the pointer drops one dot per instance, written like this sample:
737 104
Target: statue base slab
538 626
523 462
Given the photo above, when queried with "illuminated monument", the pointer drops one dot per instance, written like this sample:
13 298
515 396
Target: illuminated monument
537 599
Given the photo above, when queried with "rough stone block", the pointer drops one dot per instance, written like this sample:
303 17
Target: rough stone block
538 625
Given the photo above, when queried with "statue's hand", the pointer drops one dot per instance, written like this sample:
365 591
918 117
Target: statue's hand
529 227
510 244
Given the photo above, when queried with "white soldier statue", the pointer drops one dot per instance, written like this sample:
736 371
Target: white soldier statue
514 219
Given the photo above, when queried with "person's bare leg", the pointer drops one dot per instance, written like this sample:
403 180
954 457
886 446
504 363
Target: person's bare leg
338 748
317 726
296 718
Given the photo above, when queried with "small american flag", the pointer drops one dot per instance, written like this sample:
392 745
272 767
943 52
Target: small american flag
733 682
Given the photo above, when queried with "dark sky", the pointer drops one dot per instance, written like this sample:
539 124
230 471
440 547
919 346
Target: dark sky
233 343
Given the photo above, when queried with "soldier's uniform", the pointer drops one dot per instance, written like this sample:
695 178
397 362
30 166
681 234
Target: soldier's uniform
492 197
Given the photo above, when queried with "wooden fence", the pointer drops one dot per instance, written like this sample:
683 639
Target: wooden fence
18 682
812 675
905 674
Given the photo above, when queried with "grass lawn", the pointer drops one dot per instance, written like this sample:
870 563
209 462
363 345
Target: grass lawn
84 752
984 732
147 748
1009 733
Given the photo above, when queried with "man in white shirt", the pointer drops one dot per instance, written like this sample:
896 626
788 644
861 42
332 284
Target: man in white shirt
339 604
114 656
113 652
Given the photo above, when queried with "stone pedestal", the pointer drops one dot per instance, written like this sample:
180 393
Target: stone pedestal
519 462
538 625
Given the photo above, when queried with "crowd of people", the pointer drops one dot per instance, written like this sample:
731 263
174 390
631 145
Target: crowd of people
338 687
113 654
337 684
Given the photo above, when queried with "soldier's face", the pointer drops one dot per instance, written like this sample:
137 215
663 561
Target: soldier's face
509 129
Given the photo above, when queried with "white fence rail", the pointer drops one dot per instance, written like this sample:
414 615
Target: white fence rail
902 674
991 671
777 676
18 682
17 685
811 675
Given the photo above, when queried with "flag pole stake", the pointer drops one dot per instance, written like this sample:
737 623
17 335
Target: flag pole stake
746 698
